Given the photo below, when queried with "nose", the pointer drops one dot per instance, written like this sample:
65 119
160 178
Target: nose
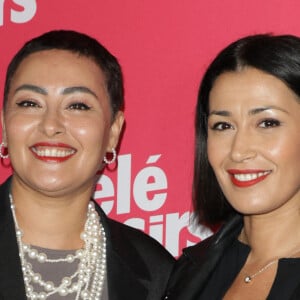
243 147
52 123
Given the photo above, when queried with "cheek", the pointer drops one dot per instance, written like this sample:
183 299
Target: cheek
18 128
284 152
91 133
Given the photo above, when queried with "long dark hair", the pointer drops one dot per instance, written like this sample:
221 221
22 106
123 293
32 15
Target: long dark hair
275 55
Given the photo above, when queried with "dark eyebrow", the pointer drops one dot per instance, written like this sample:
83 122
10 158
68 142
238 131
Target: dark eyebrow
66 91
254 111
31 87
223 113
78 89
258 110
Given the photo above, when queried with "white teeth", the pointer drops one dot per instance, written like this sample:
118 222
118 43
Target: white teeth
250 176
53 152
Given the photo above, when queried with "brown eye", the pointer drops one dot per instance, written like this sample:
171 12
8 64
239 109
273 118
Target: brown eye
79 106
27 103
269 123
220 126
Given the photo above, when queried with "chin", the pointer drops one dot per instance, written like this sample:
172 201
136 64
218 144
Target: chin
51 186
250 210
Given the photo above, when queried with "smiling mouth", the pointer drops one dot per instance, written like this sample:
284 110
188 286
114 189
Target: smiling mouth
52 153
250 176
247 178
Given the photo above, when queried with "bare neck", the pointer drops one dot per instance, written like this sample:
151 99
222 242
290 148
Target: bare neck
53 222
273 235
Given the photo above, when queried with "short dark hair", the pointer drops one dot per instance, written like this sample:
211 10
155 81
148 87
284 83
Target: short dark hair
80 44
275 55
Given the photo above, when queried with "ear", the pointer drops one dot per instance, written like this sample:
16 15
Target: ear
3 127
115 131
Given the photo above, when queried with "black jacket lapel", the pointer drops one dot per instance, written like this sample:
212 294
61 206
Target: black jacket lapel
126 271
11 277
187 281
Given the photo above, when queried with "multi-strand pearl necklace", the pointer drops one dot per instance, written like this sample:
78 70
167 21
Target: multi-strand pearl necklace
87 281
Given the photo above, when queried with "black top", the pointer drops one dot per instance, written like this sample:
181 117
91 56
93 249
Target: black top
235 256
203 268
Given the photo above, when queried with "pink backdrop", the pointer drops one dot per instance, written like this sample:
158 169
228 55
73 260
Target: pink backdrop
164 47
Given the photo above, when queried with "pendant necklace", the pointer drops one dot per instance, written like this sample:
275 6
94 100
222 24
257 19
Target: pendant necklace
248 278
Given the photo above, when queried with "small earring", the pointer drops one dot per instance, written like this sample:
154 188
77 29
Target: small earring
3 156
114 156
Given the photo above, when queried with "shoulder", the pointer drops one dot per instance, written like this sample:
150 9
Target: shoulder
193 257
215 244
143 243
196 253
4 187
141 256
296 294
130 243
189 271
197 262
5 212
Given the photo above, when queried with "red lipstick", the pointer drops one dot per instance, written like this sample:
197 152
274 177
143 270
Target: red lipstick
246 178
52 152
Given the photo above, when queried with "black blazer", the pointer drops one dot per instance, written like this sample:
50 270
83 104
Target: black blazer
197 263
138 267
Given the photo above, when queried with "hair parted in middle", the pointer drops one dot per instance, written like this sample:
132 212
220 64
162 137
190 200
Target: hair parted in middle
278 56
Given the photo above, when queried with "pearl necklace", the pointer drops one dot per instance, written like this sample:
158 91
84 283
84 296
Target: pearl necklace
90 273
